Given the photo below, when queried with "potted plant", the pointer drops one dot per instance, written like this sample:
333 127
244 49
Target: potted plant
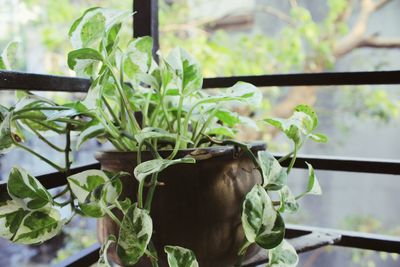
177 181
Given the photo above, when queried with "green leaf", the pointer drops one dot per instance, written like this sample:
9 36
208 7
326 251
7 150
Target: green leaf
146 168
87 30
258 214
303 121
245 92
27 190
186 70
311 113
84 61
288 201
274 176
283 255
241 91
152 133
89 133
39 226
221 130
134 235
11 216
8 56
84 182
6 140
321 138
82 185
103 259
138 57
227 117
112 39
180 257
269 239
313 187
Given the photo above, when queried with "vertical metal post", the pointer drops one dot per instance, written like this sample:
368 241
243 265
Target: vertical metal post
145 20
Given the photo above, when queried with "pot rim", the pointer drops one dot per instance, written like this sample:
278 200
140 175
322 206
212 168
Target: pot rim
197 153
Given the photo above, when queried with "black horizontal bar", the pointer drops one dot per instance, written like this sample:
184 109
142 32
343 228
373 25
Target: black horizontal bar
378 166
303 238
54 179
83 258
347 164
40 82
301 244
309 79
351 239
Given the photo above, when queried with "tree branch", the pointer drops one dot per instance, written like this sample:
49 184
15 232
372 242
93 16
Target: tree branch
277 13
376 42
357 34
381 4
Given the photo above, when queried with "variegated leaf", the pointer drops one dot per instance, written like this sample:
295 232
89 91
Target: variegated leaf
157 165
134 235
27 190
180 257
274 176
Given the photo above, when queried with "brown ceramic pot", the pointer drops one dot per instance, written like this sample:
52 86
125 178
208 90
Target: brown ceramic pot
197 207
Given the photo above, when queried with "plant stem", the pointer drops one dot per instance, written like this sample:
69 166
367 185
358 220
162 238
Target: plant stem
54 129
61 193
145 119
111 111
204 127
52 164
41 137
153 251
293 160
140 193
282 159
39 108
125 101
150 193
112 216
242 253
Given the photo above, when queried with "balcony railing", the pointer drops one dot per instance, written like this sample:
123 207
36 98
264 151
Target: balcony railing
304 238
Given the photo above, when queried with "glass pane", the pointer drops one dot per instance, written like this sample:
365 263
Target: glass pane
234 37
41 27
360 121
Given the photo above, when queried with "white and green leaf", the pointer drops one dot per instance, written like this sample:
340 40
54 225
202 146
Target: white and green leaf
186 70
89 133
27 190
283 255
313 186
84 61
87 30
180 257
138 57
261 223
274 176
288 200
146 168
11 216
134 235
83 183
8 56
38 226
103 258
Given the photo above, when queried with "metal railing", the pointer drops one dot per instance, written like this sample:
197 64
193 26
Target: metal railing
305 237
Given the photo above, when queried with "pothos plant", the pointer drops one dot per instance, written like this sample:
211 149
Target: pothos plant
137 104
